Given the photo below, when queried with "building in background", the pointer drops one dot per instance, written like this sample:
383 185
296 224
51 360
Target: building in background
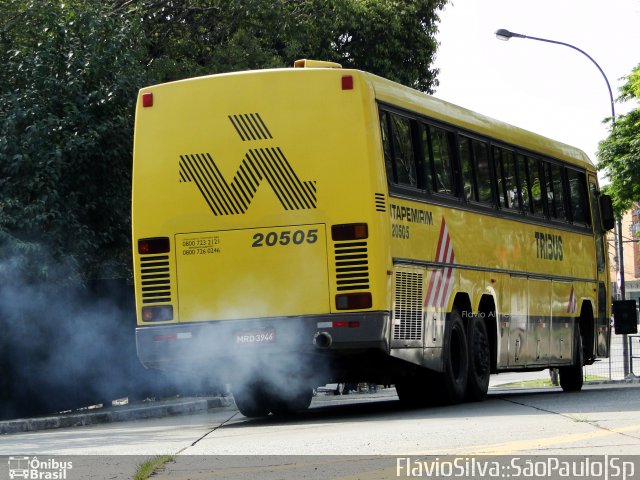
630 238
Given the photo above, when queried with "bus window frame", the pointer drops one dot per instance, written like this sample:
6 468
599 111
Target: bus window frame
548 163
502 149
396 187
455 199
586 197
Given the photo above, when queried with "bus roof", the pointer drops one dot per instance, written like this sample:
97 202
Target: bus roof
399 95
396 94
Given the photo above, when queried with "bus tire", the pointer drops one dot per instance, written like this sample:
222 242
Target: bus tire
572 377
295 401
252 400
479 360
451 384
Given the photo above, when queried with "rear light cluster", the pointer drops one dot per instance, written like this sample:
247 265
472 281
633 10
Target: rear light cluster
350 324
353 301
345 233
157 313
151 246
155 279
349 231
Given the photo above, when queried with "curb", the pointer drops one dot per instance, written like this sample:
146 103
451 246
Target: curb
116 414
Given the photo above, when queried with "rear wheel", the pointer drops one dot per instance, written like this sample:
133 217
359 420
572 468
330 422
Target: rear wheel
451 384
479 360
295 400
572 378
252 400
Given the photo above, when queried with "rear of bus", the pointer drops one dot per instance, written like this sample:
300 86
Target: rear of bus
257 213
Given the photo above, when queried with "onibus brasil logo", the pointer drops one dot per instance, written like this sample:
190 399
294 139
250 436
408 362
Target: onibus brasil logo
36 469
263 164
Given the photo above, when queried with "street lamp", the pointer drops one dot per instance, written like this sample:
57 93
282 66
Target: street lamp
504 34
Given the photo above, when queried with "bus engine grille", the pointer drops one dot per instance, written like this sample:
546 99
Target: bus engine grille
156 281
407 312
352 266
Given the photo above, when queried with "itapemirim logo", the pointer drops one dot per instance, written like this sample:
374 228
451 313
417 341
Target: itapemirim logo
259 164
36 469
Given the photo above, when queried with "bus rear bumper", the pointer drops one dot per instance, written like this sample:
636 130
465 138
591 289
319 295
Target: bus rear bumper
185 345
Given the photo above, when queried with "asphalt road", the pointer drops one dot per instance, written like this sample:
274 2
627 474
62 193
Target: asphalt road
599 420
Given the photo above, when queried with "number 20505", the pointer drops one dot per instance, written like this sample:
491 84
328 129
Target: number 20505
286 237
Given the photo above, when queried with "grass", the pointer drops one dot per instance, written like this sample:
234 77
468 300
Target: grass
153 465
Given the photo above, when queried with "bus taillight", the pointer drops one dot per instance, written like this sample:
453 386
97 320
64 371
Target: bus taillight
353 301
157 313
147 99
349 231
149 246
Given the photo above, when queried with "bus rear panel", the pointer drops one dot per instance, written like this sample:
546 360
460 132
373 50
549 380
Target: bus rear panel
255 223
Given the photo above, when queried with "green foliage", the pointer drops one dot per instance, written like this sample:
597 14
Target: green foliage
619 154
70 74
391 38
69 80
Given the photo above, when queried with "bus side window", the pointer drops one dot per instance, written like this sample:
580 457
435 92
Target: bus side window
476 175
466 160
440 156
385 125
405 161
427 154
523 178
536 185
505 168
578 197
555 190
483 172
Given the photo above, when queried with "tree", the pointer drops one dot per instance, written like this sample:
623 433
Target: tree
68 87
619 154
391 38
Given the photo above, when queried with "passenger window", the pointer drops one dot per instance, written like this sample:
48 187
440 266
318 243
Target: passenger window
505 167
523 178
386 146
483 174
578 197
555 190
405 161
536 186
440 153
466 159
397 145
476 175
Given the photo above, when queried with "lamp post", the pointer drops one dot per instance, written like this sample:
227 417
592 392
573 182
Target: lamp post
504 34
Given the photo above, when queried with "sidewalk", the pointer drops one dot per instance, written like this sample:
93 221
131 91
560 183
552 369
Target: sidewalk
121 413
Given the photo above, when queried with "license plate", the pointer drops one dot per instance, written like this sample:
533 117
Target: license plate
253 337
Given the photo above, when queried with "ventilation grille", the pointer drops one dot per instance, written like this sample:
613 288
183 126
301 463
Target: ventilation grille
381 203
156 279
407 313
352 266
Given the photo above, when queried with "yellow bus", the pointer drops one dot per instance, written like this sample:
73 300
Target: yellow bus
299 226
